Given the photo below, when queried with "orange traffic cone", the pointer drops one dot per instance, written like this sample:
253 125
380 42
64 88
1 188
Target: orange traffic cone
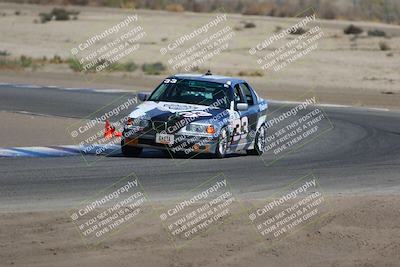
109 131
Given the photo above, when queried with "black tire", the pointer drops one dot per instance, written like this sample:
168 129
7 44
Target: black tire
222 145
260 142
130 151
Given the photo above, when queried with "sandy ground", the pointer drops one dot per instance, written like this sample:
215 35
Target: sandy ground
43 130
359 231
341 70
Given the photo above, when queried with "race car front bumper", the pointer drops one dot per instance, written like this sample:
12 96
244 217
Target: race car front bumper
183 143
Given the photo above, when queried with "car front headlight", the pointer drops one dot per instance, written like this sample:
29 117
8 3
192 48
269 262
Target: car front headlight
201 128
140 122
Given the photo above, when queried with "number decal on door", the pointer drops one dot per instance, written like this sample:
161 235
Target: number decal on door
240 128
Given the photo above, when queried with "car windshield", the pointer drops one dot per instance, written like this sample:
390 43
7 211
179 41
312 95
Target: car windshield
191 92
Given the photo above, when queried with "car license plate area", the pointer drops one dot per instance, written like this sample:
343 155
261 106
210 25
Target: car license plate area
166 139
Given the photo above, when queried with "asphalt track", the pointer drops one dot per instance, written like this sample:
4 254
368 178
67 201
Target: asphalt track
360 155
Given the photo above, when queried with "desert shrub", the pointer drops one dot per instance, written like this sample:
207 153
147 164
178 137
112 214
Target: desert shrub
352 29
130 66
127 66
17 63
9 64
153 68
376 33
56 60
17 13
4 53
297 31
74 12
60 14
76 2
74 64
25 61
383 46
174 8
249 25
257 73
45 17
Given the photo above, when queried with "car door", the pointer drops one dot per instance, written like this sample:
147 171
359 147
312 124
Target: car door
252 113
247 120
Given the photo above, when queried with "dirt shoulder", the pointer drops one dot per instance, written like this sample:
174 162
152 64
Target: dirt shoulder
43 130
359 231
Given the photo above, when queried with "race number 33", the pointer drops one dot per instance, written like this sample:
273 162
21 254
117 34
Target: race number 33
240 128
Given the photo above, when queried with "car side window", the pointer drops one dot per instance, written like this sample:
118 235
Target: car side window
248 94
237 94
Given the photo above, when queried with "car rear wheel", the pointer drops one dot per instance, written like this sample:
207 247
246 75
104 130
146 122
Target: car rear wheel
260 142
130 151
222 145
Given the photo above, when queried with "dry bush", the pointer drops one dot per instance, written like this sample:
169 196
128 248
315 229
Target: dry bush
153 68
174 8
383 46
352 29
249 25
251 73
376 33
56 60
76 2
297 31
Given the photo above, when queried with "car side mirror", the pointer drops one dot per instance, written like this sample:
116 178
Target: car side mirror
242 106
143 96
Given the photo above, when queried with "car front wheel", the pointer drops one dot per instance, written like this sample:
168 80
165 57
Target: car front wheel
222 145
130 151
260 142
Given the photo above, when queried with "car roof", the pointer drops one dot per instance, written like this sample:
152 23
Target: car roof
209 78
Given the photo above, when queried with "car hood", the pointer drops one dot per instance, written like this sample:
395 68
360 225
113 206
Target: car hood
167 111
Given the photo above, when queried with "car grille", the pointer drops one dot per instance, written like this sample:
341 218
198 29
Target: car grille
159 126
174 123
